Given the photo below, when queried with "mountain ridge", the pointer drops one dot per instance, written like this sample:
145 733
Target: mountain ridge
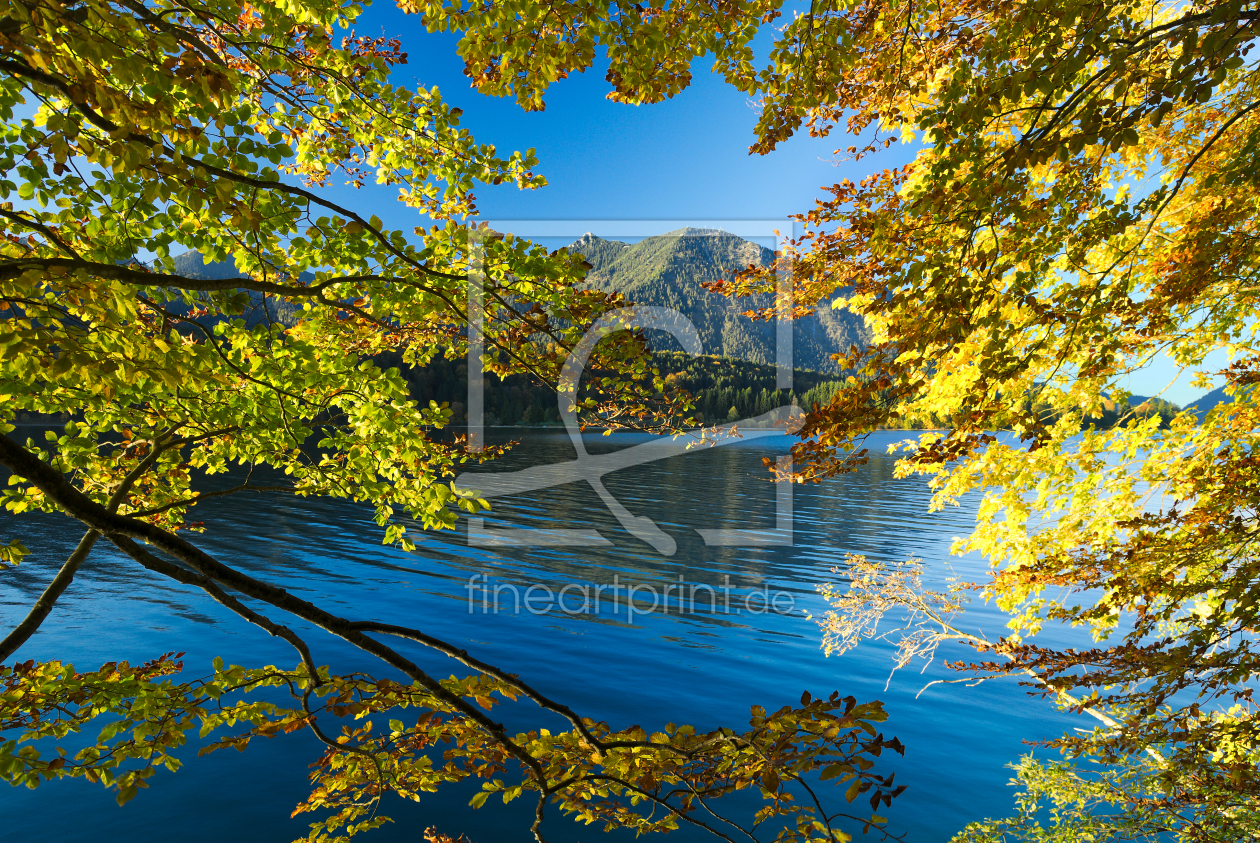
668 270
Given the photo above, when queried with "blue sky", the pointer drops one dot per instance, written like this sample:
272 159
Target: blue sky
684 159
681 162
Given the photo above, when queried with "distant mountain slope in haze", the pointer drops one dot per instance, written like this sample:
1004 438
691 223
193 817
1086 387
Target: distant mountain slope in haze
667 271
1204 403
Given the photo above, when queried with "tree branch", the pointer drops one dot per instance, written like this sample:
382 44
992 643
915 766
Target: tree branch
175 572
31 623
78 505
143 277
44 605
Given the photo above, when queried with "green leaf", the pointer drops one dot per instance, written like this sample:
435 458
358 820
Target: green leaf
12 553
834 770
126 794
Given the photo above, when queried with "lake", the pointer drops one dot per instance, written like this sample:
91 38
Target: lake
703 667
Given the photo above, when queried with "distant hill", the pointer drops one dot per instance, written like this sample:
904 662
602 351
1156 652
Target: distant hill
1136 406
1201 406
667 271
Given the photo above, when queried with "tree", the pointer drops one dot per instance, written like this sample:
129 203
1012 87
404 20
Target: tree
1081 199
133 129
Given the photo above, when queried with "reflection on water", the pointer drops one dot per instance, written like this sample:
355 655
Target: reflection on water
702 667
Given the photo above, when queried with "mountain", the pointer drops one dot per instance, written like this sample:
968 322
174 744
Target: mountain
667 271
1135 406
193 265
599 253
1202 405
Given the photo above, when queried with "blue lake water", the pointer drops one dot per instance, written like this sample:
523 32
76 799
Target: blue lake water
704 668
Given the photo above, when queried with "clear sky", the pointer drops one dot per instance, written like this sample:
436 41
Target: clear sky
684 159
681 162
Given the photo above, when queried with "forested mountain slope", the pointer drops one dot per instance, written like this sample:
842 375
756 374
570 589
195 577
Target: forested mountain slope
668 270
723 389
1204 403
